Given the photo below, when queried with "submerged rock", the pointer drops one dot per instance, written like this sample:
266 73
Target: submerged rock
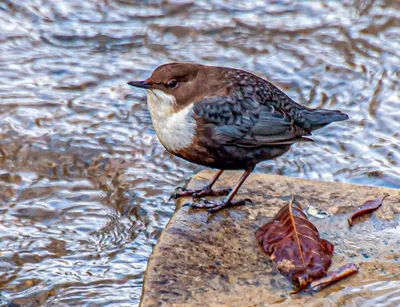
214 260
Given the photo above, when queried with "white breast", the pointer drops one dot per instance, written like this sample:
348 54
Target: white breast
175 130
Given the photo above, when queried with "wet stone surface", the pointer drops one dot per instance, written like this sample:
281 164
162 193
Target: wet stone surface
214 260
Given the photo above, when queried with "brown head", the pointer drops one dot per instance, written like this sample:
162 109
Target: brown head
186 82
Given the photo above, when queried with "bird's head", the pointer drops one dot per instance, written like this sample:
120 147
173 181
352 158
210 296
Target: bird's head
178 84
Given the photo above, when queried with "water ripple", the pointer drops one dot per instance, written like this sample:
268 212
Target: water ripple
84 180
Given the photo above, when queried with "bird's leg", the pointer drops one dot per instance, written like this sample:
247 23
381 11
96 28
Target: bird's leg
228 201
205 191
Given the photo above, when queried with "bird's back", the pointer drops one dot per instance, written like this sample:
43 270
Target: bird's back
252 87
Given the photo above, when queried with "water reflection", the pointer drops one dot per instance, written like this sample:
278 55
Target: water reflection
83 179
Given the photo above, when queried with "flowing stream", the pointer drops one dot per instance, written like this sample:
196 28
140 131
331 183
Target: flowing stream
84 182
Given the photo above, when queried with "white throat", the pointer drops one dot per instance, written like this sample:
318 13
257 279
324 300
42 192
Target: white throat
175 130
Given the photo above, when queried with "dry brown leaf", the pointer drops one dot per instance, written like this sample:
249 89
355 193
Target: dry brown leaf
333 276
368 206
294 246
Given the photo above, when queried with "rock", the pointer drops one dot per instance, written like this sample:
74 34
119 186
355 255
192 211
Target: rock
214 260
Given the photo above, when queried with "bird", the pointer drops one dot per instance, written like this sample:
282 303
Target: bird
226 119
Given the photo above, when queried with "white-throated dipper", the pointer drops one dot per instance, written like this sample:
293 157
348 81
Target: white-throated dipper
225 118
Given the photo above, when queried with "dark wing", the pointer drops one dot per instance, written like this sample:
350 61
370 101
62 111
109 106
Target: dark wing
244 122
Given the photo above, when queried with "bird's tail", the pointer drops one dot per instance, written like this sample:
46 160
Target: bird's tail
318 118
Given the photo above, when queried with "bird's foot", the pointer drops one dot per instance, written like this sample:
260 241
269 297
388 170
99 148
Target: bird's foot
206 191
216 206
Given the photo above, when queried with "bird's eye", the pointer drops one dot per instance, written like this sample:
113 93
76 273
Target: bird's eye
172 83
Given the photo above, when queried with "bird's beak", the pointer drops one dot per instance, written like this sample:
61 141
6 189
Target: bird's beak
141 84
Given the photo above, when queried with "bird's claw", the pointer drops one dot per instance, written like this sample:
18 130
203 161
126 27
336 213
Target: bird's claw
206 191
248 200
216 206
232 203
173 196
180 188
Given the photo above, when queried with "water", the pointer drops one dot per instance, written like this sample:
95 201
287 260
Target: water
84 182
